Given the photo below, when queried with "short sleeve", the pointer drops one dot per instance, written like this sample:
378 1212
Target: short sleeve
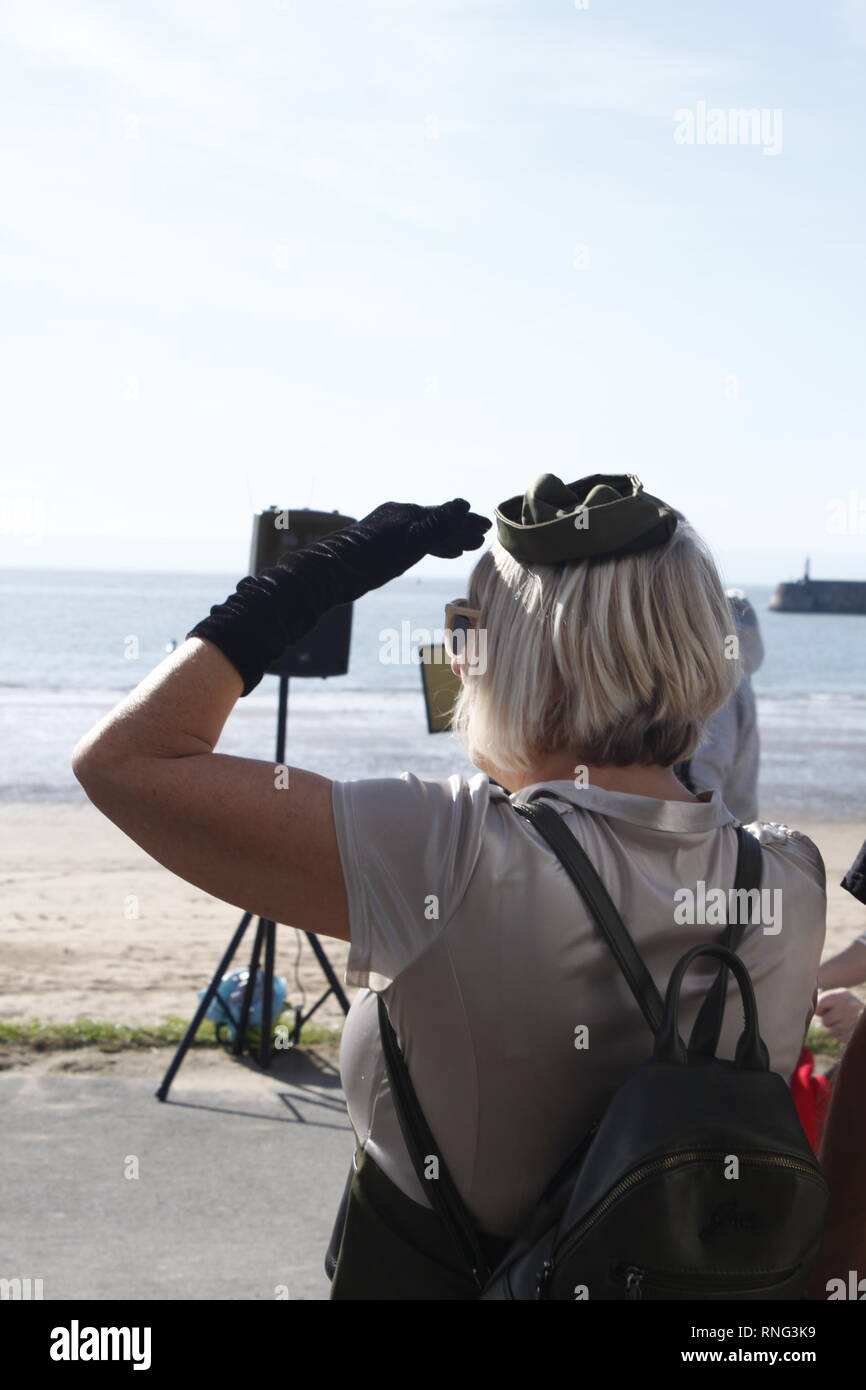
794 874
408 847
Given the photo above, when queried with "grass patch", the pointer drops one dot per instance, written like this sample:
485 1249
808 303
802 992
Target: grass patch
115 1037
822 1043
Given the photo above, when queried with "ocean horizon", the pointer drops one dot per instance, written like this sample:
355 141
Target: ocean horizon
74 642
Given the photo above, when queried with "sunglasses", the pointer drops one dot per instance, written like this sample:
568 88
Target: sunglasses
459 617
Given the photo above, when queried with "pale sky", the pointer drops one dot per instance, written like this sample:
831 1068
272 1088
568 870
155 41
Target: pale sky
327 254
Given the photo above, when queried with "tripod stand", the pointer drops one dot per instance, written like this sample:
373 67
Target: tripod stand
266 933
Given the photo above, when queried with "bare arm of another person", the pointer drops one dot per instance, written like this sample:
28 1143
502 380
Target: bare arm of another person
846 968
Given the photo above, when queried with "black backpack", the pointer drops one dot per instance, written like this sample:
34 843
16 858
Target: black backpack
697 1182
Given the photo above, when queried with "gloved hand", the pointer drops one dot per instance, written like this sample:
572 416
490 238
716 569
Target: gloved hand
385 544
269 611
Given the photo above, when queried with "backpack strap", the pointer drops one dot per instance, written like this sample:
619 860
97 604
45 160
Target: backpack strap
444 1197
579 867
708 1024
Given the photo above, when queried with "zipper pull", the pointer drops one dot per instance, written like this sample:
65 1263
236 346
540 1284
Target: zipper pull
633 1276
543 1278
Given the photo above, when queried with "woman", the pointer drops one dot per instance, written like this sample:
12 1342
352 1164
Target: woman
606 651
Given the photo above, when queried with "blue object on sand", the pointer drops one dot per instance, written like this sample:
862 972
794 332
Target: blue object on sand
225 1007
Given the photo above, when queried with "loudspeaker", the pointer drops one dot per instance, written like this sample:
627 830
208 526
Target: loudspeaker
277 535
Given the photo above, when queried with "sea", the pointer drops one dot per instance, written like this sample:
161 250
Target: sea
73 643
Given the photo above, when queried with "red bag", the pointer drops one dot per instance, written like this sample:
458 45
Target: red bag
811 1095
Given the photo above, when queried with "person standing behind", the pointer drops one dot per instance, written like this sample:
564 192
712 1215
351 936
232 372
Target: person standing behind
843 1147
730 754
843 1159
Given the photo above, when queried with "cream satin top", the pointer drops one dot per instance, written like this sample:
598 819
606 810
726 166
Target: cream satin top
514 1019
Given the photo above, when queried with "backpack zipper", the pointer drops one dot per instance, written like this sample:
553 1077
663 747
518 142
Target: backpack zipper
686 1281
657 1165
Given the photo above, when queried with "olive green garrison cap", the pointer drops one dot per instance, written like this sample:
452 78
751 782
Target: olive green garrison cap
605 514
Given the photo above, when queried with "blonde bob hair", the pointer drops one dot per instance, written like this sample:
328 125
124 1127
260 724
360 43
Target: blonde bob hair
616 661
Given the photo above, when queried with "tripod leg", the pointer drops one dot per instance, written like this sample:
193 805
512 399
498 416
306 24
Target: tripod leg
270 929
329 971
183 1047
265 1051
248 991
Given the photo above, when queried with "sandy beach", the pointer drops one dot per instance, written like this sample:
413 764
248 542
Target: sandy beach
70 952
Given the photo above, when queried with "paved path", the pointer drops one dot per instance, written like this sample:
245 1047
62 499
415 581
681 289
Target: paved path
239 1178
